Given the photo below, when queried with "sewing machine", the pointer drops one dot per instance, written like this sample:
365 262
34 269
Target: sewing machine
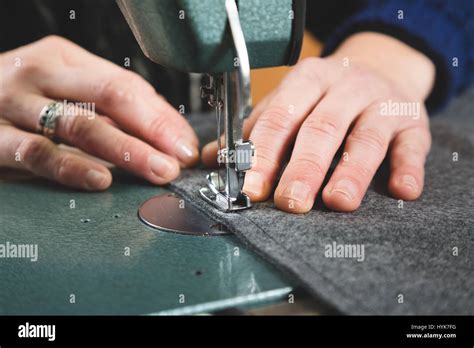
95 256
224 39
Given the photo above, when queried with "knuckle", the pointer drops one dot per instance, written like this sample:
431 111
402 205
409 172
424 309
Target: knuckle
62 162
407 148
309 165
359 75
371 137
408 152
324 126
417 141
55 40
75 128
34 150
35 59
127 146
275 119
361 168
114 92
65 51
311 64
29 68
363 80
59 46
367 82
379 88
160 127
313 69
137 82
266 158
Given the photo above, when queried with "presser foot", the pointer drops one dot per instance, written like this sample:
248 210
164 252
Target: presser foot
214 195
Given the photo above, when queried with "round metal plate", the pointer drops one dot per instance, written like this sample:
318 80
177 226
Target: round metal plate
171 213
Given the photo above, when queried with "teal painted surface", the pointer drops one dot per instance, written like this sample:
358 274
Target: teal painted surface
87 258
199 40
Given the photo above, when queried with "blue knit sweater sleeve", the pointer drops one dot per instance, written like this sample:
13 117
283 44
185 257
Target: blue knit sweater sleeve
441 29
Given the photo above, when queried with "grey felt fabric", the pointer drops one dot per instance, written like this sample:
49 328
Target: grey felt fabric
409 251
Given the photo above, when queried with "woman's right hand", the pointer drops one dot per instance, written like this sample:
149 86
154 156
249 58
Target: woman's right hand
135 128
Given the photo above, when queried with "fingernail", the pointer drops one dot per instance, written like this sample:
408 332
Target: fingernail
186 152
410 181
297 191
253 183
346 187
95 180
160 166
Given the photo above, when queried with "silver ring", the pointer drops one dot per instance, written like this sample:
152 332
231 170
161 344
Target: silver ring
48 118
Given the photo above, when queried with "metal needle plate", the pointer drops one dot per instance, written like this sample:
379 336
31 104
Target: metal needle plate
171 213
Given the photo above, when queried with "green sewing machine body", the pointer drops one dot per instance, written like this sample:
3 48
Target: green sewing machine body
94 254
193 35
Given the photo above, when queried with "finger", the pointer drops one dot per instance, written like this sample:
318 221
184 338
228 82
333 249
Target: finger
276 126
123 96
24 110
407 162
150 118
318 140
39 155
83 129
364 151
